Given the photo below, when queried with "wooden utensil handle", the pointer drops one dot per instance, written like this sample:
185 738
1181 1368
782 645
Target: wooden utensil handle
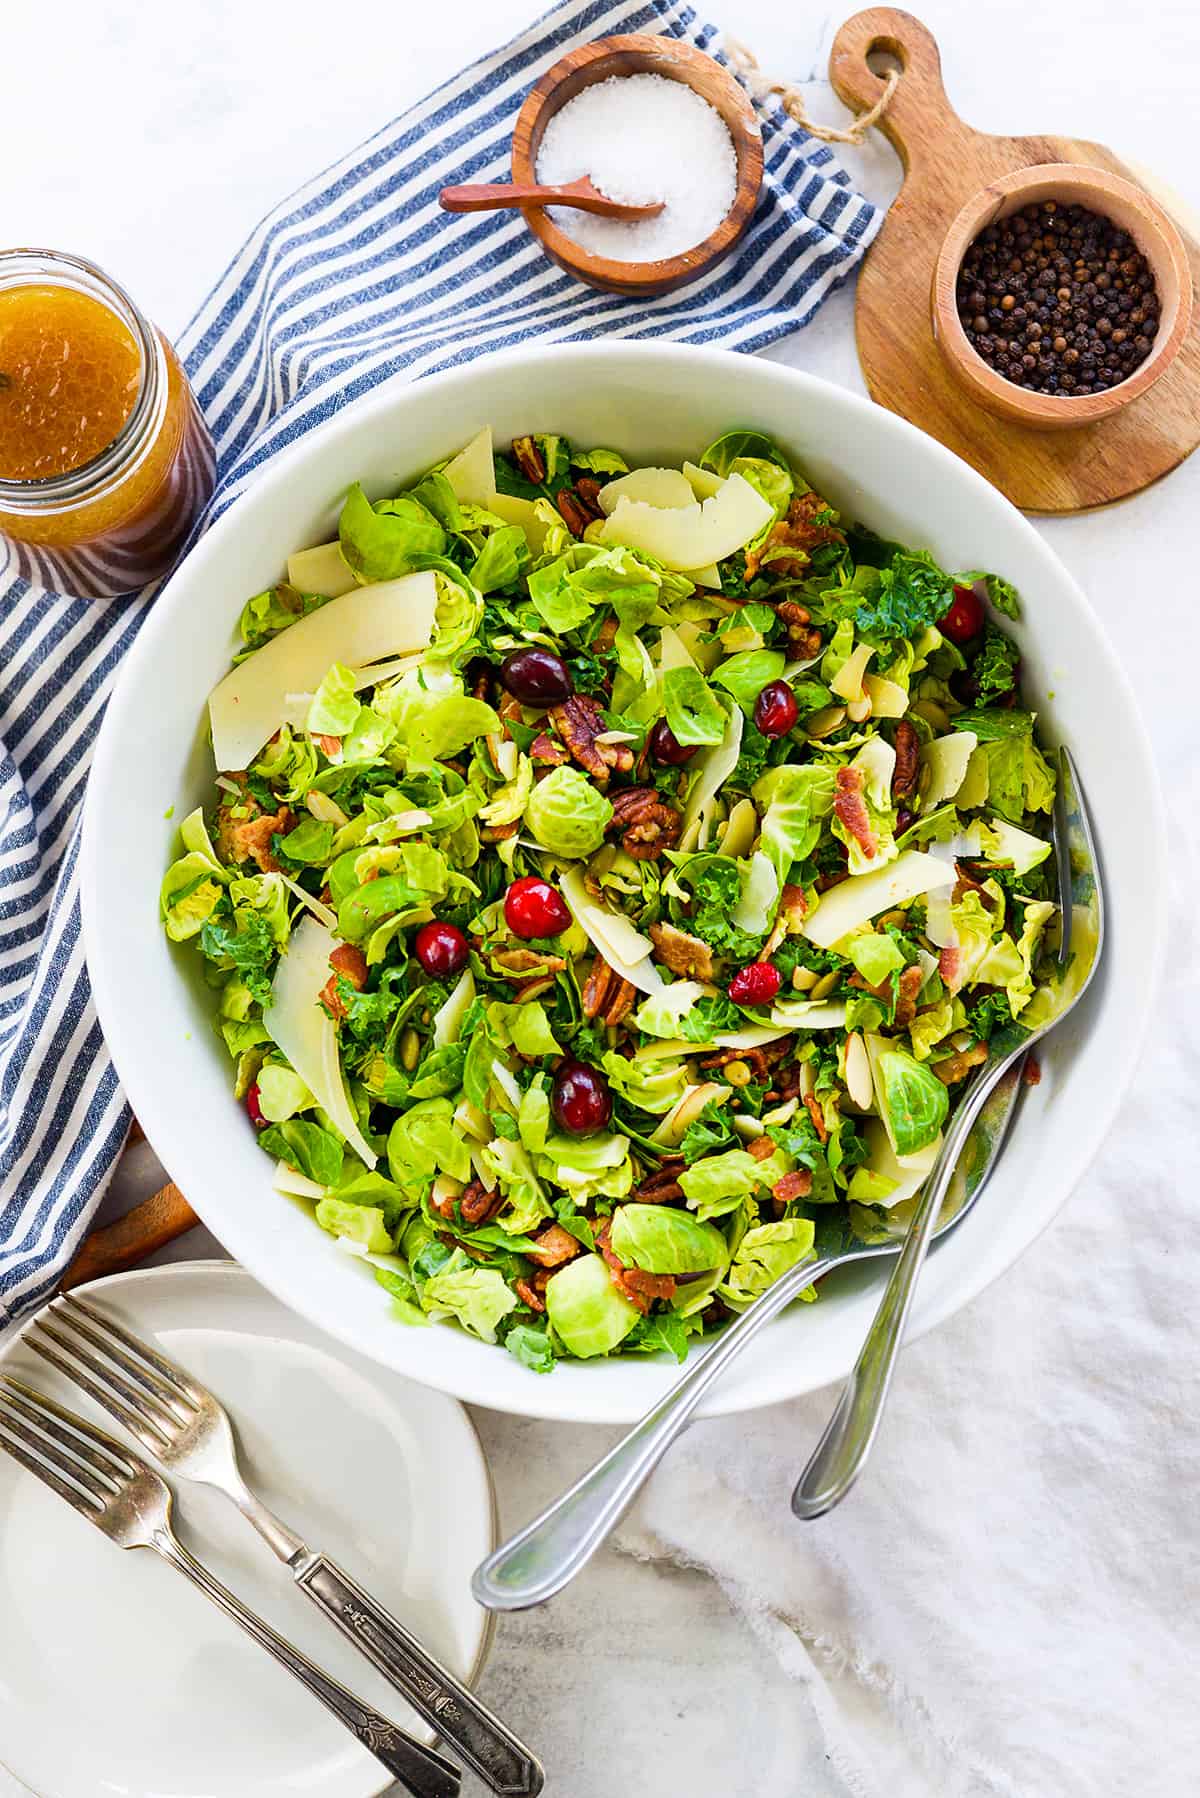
920 115
147 1228
491 196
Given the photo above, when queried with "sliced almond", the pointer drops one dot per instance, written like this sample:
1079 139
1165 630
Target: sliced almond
324 809
825 722
859 1084
445 1190
804 979
859 709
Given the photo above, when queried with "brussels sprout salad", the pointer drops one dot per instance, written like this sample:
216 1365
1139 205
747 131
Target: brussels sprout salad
611 877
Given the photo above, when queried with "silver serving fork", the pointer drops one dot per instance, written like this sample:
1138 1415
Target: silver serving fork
545 1556
114 1488
188 1431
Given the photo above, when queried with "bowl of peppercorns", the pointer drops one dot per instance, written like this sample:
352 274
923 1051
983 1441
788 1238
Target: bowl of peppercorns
1061 293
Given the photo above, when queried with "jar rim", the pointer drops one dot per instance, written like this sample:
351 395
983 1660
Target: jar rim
111 465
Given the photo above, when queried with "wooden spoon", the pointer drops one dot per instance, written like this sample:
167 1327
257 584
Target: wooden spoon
495 195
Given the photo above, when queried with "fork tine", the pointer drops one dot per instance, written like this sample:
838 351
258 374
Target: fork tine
97 1462
14 1445
139 1423
176 1384
141 1389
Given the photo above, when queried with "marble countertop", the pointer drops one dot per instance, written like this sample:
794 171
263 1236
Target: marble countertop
166 136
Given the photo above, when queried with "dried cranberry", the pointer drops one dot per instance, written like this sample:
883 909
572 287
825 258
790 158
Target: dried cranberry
254 1110
965 618
580 1099
756 984
533 908
904 821
536 677
441 949
775 709
666 748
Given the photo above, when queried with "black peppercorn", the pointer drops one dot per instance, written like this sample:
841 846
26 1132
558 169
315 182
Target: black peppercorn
1057 299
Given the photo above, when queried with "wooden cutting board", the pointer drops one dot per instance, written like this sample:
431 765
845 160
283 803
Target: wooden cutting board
946 162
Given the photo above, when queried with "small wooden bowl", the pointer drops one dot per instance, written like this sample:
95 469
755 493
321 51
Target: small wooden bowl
1129 207
640 55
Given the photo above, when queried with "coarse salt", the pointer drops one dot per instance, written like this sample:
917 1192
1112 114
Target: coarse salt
642 138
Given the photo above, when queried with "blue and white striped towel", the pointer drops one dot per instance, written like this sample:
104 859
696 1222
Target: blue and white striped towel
355 277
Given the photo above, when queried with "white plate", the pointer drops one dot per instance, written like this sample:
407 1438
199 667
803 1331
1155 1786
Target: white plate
657 403
118 1677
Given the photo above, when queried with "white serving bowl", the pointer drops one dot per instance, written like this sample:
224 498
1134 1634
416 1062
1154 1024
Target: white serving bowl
655 404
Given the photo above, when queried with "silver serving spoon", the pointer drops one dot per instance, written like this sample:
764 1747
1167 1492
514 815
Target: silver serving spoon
838 1458
543 1557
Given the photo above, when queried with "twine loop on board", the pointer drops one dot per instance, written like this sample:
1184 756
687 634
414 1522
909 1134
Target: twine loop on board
791 98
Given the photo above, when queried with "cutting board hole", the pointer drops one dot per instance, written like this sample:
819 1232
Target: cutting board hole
882 62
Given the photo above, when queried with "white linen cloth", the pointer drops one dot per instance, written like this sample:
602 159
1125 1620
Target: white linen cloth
1008 1602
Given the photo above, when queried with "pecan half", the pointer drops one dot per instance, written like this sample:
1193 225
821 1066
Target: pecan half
809 523
579 721
662 1187
647 826
803 636
554 1246
478 1204
528 458
533 1299
851 809
546 752
578 505
907 745
957 1067
682 953
606 996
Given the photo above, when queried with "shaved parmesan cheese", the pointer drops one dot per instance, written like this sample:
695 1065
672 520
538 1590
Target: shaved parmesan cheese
909 1172
705 577
318 909
715 767
946 758
652 486
856 901
847 683
888 698
625 949
320 570
447 1020
664 1049
297 1023
472 473
506 1081
689 536
295 1184
976 782
759 896
753 1037
810 1014
248 706
939 923
702 481
515 510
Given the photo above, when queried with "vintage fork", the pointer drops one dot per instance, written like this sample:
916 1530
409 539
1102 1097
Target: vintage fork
188 1431
115 1489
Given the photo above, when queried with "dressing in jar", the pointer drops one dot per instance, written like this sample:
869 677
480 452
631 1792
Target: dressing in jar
105 460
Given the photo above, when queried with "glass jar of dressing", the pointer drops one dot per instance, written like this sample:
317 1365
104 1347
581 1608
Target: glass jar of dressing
105 460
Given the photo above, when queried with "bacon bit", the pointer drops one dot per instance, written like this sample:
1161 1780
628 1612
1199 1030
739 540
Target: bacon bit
761 1149
950 967
331 746
606 636
1032 1073
956 1067
967 883
760 1061
545 752
349 964
797 1185
554 1246
910 984
825 882
794 906
533 1299
682 953
851 809
813 1106
242 838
